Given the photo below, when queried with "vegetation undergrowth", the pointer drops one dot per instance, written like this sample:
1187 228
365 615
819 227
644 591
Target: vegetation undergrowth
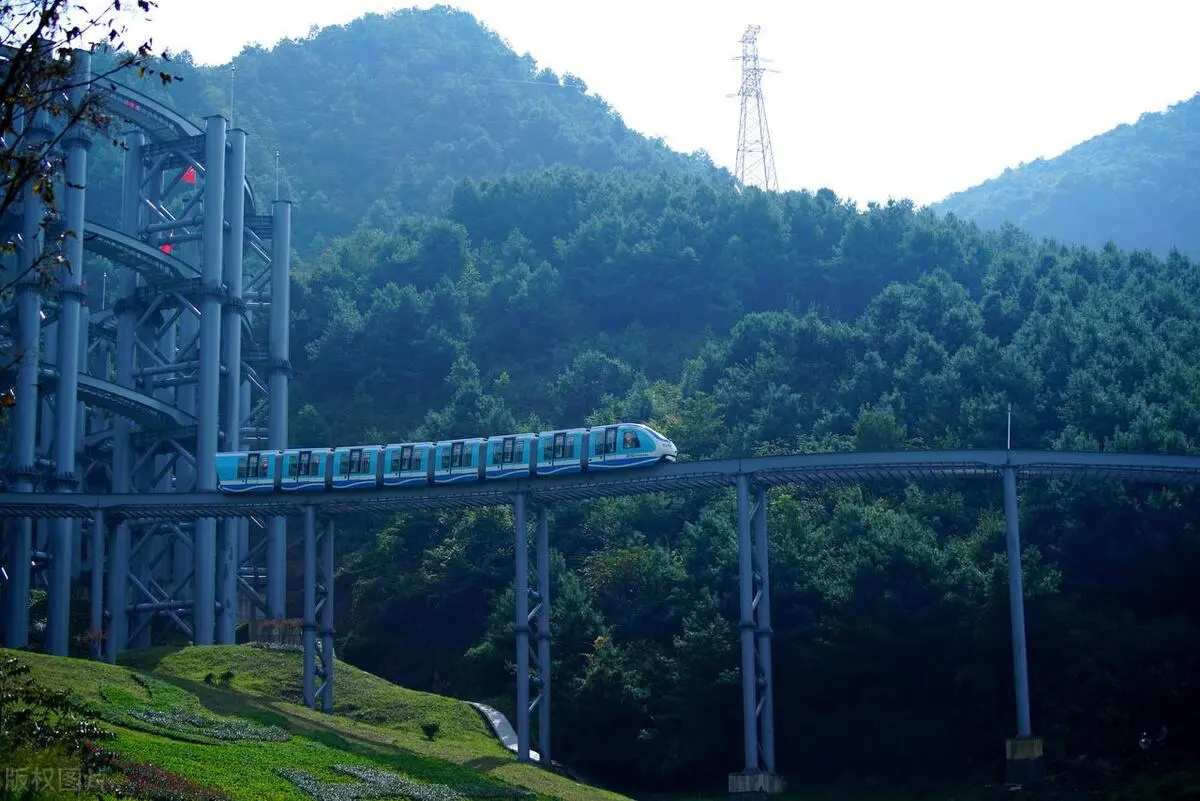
224 722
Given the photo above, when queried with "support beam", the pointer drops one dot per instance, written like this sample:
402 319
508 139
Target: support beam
543 623
277 432
66 401
762 611
205 546
758 778
96 591
521 541
24 424
1024 762
327 619
310 605
232 313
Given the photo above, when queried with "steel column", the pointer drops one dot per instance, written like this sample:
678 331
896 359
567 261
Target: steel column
96 591
543 608
277 432
521 538
58 623
28 343
765 682
747 625
1016 603
228 558
204 548
310 604
327 619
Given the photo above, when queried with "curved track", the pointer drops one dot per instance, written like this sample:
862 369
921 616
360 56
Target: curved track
811 469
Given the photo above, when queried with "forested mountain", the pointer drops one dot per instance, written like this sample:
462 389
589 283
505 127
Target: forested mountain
549 289
1135 185
380 117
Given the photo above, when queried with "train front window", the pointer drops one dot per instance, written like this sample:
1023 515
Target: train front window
631 441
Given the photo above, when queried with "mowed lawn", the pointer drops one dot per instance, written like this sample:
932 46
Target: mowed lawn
228 717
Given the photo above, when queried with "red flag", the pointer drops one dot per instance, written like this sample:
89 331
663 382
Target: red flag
189 175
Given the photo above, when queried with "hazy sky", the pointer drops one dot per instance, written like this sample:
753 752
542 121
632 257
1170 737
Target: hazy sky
874 98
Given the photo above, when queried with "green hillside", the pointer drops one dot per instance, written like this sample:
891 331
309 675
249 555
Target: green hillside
228 719
1134 185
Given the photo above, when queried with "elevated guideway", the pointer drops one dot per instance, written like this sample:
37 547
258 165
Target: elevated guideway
127 251
145 410
806 469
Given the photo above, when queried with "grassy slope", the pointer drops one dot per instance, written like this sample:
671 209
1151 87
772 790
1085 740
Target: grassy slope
374 723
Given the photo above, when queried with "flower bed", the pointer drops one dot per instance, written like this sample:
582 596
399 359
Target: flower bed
376 783
230 729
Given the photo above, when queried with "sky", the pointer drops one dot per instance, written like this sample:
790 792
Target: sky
874 99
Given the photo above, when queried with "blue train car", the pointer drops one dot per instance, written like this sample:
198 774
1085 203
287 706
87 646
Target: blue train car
305 470
458 460
356 467
247 471
511 456
561 452
406 464
625 445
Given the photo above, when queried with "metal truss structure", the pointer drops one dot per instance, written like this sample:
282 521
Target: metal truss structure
755 164
137 395
750 478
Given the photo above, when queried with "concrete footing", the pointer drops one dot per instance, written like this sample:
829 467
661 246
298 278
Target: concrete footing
755 785
1024 763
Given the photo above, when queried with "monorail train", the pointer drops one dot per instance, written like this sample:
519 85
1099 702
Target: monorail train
359 467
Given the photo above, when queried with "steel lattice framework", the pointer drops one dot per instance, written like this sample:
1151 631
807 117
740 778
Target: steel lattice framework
755 159
138 396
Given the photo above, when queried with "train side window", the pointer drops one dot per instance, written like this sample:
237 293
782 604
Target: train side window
509 447
252 466
456 454
631 441
414 459
306 463
241 467
557 448
404 459
519 451
610 440
569 446
264 466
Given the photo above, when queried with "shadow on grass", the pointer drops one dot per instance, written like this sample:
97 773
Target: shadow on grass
486 764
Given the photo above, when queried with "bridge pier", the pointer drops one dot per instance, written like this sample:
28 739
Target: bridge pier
318 601
1024 763
758 778
533 666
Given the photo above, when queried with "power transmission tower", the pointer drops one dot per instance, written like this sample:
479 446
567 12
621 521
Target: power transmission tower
755 161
